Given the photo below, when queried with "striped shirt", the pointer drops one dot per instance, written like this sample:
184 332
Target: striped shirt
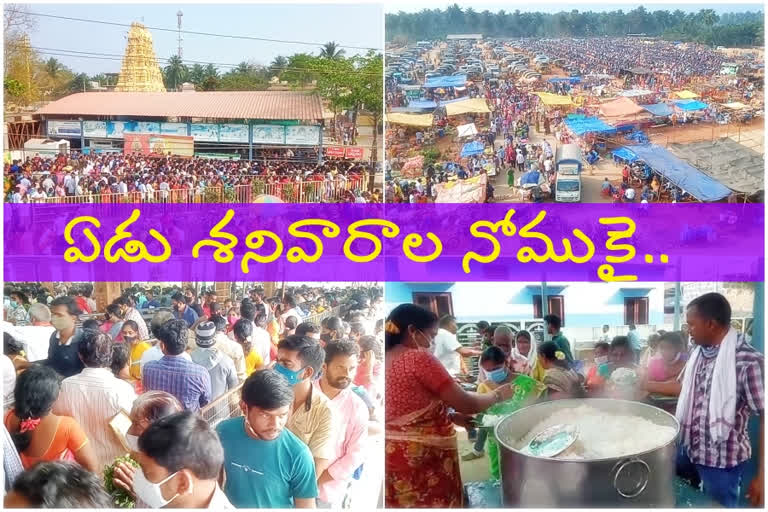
93 398
696 438
177 375
12 466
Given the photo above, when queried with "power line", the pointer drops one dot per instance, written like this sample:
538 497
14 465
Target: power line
193 32
59 52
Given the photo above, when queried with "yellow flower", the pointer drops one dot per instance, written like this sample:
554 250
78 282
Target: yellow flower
560 355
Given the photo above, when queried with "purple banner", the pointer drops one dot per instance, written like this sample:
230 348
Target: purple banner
420 243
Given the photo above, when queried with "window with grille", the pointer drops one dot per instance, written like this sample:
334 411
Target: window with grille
636 311
555 306
440 304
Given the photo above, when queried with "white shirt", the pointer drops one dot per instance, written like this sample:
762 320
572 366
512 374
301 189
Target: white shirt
445 350
262 341
234 350
93 398
9 378
36 339
219 500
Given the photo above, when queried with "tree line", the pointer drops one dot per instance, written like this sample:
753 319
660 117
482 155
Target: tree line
704 26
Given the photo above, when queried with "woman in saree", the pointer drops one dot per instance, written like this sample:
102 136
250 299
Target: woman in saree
561 381
422 460
524 358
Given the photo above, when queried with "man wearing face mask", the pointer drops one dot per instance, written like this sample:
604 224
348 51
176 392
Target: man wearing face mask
180 461
447 348
131 313
62 348
266 465
299 360
332 330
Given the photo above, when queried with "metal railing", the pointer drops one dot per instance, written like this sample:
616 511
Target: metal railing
294 192
223 408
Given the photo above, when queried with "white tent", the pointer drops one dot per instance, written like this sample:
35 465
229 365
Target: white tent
467 130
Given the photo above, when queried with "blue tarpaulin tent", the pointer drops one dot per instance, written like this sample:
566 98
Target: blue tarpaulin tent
690 105
685 176
582 125
446 81
472 148
625 154
530 178
570 79
658 109
429 104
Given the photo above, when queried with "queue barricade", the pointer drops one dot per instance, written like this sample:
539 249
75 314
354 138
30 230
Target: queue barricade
223 408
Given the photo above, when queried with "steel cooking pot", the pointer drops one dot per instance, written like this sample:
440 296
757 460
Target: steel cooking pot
638 480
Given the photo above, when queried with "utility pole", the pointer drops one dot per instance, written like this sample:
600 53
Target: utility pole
179 15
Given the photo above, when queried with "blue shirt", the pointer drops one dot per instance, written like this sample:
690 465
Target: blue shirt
634 340
265 474
187 381
189 315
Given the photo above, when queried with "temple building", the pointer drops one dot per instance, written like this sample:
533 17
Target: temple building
140 71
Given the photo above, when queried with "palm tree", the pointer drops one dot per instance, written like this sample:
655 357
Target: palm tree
211 71
331 50
175 72
243 68
52 67
278 65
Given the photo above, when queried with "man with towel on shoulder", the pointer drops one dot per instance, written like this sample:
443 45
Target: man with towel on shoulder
722 386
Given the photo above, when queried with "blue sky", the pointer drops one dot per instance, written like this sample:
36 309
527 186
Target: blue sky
312 23
398 5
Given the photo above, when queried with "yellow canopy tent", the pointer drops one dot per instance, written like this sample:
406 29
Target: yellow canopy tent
686 95
472 106
550 99
420 120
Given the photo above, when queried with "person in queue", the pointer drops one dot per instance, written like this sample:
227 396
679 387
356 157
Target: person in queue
147 409
370 373
60 485
600 356
136 347
62 348
260 338
312 419
721 387
182 310
620 355
448 350
669 363
561 381
229 346
121 366
419 427
113 322
332 330
259 444
524 358
219 365
129 312
339 368
38 433
242 333
308 329
174 373
37 335
554 323
155 353
180 460
94 396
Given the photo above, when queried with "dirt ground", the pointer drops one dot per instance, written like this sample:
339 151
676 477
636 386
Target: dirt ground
750 135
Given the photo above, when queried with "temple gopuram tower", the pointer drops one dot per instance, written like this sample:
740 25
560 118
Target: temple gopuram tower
140 72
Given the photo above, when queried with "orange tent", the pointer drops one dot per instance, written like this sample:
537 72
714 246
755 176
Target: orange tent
622 107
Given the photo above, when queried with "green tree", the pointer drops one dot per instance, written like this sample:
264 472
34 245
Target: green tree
302 69
80 83
278 65
176 73
13 88
211 71
331 50
197 74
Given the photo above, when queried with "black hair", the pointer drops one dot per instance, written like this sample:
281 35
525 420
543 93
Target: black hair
219 322
114 310
95 349
602 345
553 320
548 350
91 324
713 306
291 322
335 324
306 328
158 320
184 441
493 354
446 320
371 343
309 351
482 325
120 357
356 328
524 334
268 390
403 316
37 389
62 485
247 310
621 341
674 339
21 295
243 329
11 346
173 334
340 348
632 327
122 301
70 304
290 300
132 324
215 308
178 297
